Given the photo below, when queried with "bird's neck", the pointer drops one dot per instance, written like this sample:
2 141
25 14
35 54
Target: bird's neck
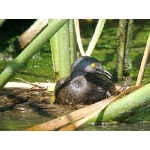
77 74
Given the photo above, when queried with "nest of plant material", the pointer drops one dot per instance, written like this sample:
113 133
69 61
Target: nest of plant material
25 98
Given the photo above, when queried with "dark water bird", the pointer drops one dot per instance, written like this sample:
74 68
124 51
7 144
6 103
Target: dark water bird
88 83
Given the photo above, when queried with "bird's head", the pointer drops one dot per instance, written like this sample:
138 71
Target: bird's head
85 65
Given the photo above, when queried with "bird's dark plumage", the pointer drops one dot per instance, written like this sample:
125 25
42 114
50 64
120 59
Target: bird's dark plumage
89 82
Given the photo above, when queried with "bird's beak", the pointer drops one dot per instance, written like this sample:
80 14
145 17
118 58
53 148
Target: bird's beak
104 72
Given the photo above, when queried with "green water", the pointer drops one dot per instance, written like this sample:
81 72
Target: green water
139 126
11 121
39 69
17 122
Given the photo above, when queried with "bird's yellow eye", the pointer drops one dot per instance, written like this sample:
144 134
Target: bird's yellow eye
93 65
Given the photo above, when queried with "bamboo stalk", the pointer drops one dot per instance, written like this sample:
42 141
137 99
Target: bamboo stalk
29 51
143 63
28 36
122 109
55 58
127 62
79 41
97 33
54 50
64 51
73 42
121 40
63 47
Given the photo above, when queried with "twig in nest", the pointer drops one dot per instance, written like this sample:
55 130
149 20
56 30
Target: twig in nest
125 85
33 84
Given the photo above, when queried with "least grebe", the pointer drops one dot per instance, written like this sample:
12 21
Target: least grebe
88 83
